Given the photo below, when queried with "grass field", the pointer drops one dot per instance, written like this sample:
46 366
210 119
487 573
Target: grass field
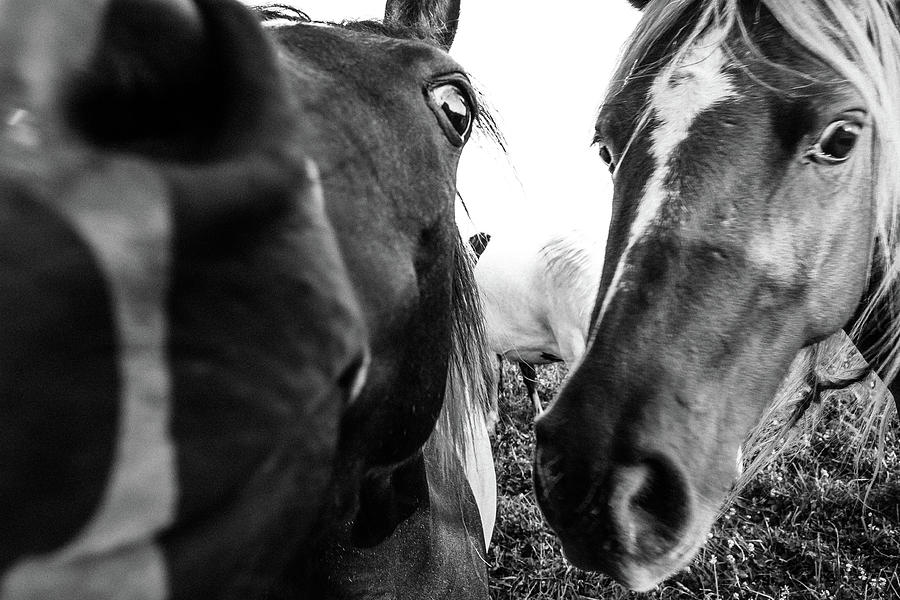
809 525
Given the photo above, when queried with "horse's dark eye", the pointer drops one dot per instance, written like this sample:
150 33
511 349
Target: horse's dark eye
456 106
836 142
606 156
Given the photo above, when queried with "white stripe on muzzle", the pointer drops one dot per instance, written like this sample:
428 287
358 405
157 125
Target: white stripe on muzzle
679 94
122 211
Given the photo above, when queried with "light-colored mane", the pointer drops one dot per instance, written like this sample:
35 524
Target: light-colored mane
573 261
860 41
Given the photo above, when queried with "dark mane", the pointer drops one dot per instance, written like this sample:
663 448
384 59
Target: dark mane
272 12
389 30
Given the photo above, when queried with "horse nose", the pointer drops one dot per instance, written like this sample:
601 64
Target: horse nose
649 504
352 378
638 501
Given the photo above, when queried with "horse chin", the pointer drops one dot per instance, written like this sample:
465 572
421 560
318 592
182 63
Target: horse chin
639 569
642 566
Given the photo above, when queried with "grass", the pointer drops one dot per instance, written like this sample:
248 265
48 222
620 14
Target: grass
810 525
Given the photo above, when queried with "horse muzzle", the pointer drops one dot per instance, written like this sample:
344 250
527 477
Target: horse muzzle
634 515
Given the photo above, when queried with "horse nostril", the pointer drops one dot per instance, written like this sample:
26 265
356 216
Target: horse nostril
547 429
353 377
650 506
547 457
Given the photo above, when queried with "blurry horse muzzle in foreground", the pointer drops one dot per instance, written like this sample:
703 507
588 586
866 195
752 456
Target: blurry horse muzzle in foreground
180 337
234 301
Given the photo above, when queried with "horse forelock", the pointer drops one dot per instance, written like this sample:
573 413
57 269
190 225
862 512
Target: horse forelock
859 43
280 15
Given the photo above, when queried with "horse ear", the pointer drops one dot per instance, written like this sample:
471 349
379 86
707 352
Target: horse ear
639 4
439 18
479 243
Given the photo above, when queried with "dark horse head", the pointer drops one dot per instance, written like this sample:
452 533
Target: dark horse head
385 112
753 151
390 90
202 233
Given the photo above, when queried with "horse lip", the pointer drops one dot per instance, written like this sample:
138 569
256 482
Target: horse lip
587 544
623 567
632 569
629 570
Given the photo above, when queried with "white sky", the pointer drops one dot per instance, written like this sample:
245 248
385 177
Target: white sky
544 68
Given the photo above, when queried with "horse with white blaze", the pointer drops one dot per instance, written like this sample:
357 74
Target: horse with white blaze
753 148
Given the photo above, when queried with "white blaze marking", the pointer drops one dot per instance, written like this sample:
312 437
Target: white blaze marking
122 211
679 94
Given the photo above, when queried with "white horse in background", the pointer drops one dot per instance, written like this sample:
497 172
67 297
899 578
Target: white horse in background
538 290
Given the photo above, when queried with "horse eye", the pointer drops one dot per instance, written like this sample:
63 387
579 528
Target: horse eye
836 142
455 104
606 156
